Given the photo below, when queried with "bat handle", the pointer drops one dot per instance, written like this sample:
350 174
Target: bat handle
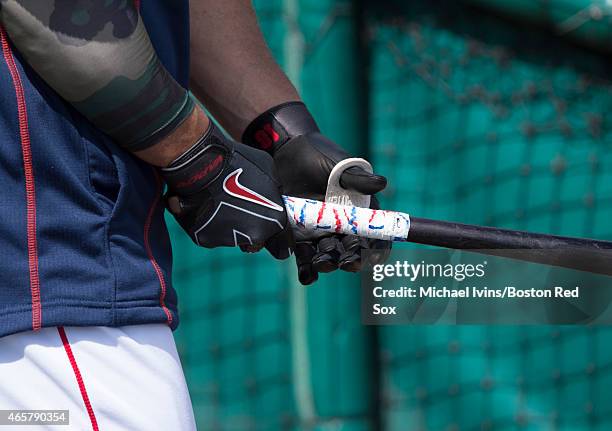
318 217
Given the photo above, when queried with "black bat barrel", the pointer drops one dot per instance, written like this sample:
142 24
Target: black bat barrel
576 253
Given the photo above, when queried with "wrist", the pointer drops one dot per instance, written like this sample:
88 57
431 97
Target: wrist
272 129
200 164
179 141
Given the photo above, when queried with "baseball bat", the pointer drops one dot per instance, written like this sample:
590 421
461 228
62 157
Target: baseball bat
576 253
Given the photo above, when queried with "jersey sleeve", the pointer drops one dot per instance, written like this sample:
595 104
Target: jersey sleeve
98 57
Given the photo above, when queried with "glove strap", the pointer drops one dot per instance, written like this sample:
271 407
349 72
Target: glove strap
200 165
277 125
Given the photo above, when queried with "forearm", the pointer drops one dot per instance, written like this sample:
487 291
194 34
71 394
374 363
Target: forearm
232 69
113 78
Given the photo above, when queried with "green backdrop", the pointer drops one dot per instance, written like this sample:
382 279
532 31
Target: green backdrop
477 111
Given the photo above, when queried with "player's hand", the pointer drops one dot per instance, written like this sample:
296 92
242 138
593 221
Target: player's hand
304 159
224 193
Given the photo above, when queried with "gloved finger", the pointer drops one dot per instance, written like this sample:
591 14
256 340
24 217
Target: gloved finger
304 253
281 245
329 251
352 243
362 181
350 259
378 251
350 262
353 259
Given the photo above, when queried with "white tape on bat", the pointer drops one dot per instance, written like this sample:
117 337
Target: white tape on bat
316 217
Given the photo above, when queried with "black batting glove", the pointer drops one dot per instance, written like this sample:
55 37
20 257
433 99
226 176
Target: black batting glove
223 193
304 158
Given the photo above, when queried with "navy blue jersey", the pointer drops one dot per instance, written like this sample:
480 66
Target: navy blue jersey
82 235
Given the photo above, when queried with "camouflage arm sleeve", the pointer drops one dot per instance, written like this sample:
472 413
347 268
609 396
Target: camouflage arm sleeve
97 55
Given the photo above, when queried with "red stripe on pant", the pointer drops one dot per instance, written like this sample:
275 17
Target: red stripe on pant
79 378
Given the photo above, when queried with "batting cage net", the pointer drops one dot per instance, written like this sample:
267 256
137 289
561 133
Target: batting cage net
484 112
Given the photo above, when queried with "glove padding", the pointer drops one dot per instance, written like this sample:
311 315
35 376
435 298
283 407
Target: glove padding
304 158
223 193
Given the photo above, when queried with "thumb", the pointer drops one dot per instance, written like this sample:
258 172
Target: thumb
281 245
362 181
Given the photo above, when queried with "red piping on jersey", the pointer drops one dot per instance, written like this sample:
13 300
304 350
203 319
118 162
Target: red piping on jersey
79 378
137 4
26 151
147 229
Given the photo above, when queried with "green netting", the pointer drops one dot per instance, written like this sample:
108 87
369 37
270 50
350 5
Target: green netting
586 21
480 120
473 118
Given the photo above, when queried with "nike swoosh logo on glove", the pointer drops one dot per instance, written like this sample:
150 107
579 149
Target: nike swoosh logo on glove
233 188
